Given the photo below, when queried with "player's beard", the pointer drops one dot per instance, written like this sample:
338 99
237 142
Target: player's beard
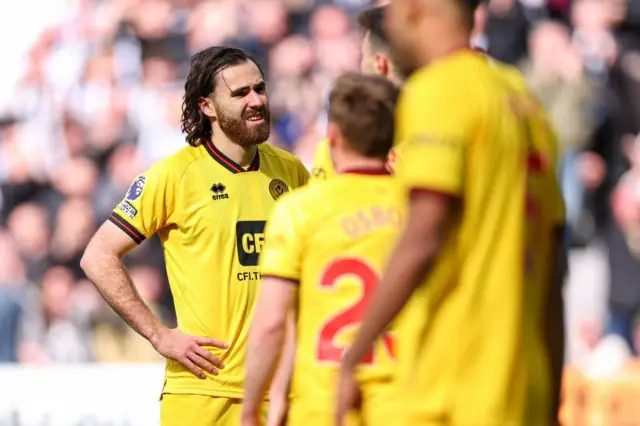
238 130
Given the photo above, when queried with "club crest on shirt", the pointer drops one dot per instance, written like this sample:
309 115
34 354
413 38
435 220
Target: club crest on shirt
135 190
277 188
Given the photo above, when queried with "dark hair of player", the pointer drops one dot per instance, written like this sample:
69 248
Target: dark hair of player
205 66
371 20
363 106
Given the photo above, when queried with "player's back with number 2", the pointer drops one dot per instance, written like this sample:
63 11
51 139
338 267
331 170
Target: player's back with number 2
352 222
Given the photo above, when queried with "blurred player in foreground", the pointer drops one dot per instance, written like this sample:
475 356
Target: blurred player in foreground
208 203
376 60
326 246
483 234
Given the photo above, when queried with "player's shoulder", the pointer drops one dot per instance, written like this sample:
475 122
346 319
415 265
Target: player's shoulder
175 165
275 154
309 199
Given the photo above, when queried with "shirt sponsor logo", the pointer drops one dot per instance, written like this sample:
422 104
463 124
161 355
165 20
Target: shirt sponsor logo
277 188
128 210
250 241
135 190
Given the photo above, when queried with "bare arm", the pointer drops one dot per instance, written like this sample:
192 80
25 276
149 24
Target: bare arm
407 267
102 263
554 319
279 390
266 341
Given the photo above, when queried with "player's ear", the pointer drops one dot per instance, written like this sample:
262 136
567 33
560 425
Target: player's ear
333 134
382 65
207 107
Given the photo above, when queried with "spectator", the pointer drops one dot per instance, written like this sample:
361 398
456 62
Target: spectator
52 330
555 71
12 284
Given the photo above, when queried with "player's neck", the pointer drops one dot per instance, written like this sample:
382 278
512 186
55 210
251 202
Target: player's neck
446 43
243 155
358 163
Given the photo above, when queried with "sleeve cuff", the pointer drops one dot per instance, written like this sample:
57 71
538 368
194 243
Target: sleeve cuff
127 228
294 281
419 191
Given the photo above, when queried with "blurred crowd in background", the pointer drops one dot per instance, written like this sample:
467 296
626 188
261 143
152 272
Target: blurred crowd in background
90 96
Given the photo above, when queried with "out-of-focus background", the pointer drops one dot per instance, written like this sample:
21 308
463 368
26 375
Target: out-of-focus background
90 94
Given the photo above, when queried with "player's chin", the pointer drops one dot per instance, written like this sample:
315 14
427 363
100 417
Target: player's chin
258 135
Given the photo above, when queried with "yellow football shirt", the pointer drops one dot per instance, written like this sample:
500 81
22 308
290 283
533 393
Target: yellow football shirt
210 216
333 238
471 129
323 165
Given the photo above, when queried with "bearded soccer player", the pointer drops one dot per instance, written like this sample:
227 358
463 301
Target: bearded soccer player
483 235
376 60
325 249
208 203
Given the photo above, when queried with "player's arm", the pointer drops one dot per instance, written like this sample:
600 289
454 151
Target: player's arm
279 391
554 331
266 344
280 265
142 212
434 138
102 262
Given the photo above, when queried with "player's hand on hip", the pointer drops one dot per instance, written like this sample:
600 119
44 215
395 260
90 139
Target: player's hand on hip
349 396
189 351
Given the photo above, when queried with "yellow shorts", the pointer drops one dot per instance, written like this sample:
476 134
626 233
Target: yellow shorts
304 416
201 410
299 415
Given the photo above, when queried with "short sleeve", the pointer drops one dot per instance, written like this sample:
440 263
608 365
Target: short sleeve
282 252
432 132
147 206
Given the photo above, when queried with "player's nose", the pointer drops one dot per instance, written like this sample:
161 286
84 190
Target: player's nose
255 100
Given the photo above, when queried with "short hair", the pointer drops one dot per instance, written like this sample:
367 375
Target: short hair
363 108
371 20
205 66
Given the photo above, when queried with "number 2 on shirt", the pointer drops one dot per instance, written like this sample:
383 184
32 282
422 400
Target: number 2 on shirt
327 349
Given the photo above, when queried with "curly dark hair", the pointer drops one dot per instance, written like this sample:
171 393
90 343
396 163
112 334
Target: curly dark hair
205 65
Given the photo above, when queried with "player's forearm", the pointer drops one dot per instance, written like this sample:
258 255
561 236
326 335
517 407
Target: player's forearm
554 320
265 345
110 277
406 269
555 347
282 379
